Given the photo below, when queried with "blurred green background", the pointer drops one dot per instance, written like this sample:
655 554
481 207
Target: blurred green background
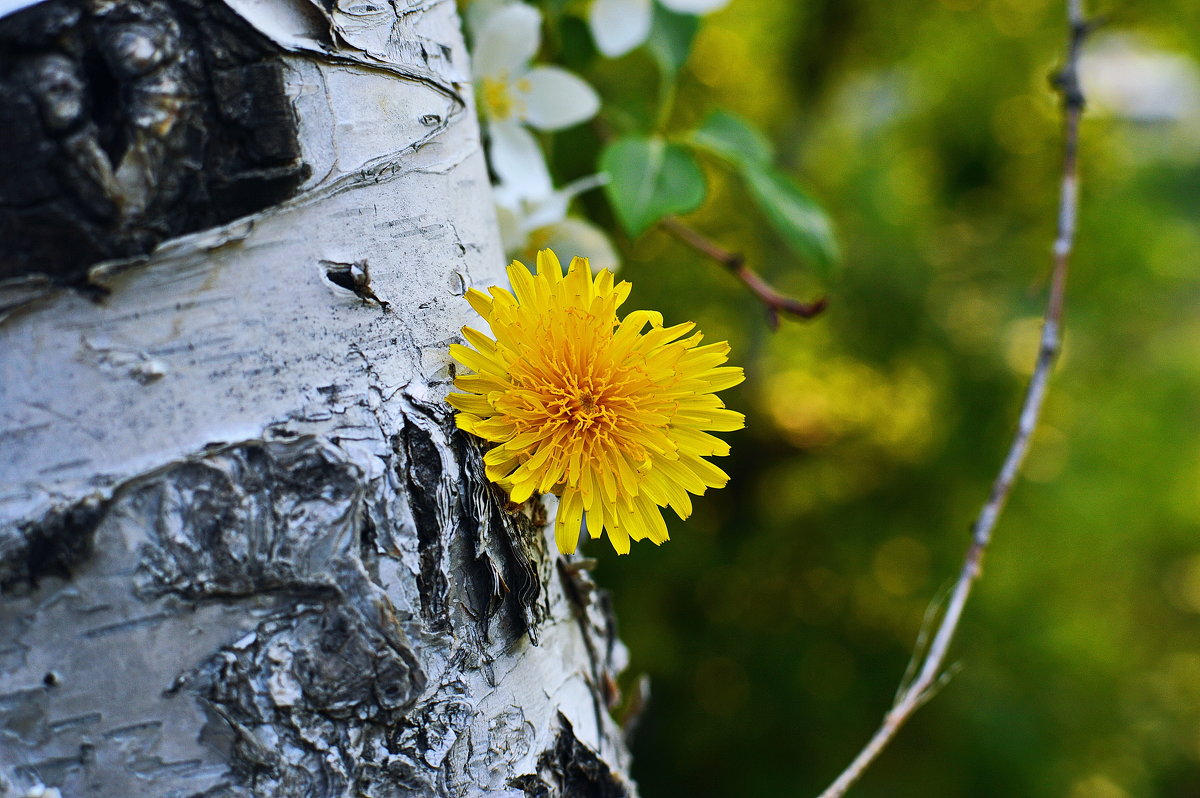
776 624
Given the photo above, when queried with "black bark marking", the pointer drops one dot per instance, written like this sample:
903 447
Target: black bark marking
524 546
52 546
571 770
498 537
246 519
419 464
127 123
480 513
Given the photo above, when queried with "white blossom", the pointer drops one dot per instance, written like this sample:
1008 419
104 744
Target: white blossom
530 224
513 94
618 26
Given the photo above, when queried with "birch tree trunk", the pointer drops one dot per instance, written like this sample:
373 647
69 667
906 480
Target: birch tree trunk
242 549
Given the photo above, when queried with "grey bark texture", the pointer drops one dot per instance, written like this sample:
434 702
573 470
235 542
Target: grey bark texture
243 549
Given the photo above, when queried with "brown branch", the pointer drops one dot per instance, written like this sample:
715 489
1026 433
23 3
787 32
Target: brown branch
774 301
914 693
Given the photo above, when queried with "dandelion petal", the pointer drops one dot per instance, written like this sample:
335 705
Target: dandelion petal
612 418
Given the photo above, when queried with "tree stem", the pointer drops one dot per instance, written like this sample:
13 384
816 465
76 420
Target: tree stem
735 263
913 694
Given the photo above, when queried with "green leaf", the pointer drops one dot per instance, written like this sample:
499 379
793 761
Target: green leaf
671 36
576 49
733 139
650 179
795 215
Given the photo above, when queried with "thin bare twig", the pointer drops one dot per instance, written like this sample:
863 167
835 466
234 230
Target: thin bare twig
774 301
913 694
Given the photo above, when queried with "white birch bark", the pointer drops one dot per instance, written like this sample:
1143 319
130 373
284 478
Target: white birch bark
242 549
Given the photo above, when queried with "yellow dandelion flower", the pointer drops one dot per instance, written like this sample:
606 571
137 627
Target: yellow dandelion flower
613 420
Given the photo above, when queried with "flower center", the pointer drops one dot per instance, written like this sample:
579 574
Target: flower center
579 399
498 98
578 410
583 409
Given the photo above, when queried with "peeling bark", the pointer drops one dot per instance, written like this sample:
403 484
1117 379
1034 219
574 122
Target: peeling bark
243 549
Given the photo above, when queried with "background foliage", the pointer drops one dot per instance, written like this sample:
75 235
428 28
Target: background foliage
776 623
